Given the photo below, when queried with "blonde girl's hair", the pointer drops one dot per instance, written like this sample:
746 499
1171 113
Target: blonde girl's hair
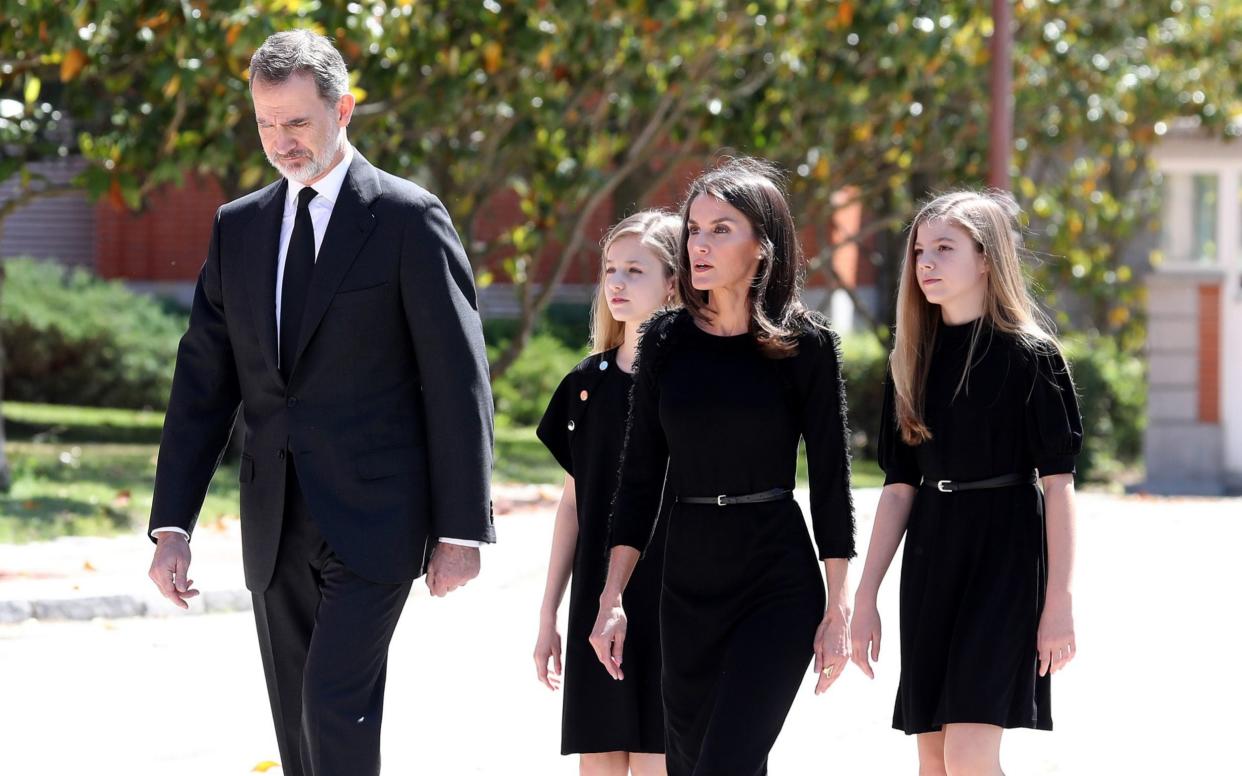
657 230
990 217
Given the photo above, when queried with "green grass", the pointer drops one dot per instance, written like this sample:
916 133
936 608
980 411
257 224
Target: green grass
74 489
55 422
87 471
521 457
865 473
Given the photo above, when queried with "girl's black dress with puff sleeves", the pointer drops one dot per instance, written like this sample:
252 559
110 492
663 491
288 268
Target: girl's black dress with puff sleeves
743 594
974 568
584 429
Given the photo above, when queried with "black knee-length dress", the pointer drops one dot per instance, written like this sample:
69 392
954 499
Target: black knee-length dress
974 568
743 594
584 429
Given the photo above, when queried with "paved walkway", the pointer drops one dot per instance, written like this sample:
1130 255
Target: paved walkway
1153 692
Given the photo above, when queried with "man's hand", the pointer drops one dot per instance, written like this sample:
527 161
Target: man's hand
452 565
170 566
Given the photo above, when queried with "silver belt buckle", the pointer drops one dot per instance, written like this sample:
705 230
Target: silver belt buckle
940 486
720 501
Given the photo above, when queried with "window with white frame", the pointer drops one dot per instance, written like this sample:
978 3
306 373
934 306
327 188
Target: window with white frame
1190 229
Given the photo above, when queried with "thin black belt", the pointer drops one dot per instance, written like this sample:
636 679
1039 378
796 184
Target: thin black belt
1003 481
775 494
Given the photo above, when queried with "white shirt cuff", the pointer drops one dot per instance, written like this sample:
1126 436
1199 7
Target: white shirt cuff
462 542
155 532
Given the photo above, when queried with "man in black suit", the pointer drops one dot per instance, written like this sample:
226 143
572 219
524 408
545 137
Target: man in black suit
337 311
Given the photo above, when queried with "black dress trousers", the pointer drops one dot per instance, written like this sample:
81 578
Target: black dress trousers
323 634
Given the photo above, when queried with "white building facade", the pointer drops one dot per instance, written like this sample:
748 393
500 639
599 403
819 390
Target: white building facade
1193 441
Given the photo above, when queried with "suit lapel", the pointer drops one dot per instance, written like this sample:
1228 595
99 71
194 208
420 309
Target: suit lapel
262 244
348 229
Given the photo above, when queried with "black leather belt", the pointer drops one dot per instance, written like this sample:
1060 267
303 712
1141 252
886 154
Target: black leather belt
1003 481
775 494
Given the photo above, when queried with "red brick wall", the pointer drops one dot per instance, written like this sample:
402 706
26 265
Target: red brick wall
166 242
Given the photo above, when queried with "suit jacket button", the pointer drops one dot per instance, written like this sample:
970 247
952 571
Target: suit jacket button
280 454
293 402
571 425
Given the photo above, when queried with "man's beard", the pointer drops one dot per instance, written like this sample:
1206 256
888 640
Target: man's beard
314 166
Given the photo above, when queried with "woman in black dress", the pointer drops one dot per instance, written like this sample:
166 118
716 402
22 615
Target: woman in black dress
724 390
978 405
615 727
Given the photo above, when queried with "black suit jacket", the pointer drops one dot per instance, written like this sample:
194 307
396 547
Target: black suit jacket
388 410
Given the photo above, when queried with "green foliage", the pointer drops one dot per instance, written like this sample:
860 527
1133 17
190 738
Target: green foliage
1112 393
1112 396
1096 84
569 323
566 322
552 109
863 363
559 342
71 338
522 392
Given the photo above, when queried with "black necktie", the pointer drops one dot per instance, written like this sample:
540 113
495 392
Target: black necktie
299 264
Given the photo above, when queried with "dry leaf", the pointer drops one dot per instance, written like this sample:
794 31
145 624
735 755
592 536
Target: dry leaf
264 766
115 196
72 64
492 52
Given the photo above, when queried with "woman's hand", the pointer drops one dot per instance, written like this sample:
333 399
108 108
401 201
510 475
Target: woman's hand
548 650
1055 638
865 630
608 636
832 646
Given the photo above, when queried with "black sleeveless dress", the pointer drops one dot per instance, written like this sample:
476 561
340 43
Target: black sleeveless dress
974 568
584 428
743 594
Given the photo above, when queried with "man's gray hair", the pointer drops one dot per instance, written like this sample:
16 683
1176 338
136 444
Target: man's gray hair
301 51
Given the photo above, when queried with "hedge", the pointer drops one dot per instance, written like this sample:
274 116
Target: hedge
71 338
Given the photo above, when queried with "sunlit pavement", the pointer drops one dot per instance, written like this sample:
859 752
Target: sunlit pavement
1154 690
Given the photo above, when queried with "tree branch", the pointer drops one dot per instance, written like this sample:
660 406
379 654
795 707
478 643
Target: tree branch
665 115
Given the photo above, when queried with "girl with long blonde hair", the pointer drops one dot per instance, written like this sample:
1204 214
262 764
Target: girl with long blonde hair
978 436
616 727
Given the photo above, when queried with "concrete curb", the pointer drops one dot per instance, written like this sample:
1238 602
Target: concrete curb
112 607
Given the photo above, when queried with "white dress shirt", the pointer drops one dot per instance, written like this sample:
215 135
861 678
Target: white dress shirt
327 190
